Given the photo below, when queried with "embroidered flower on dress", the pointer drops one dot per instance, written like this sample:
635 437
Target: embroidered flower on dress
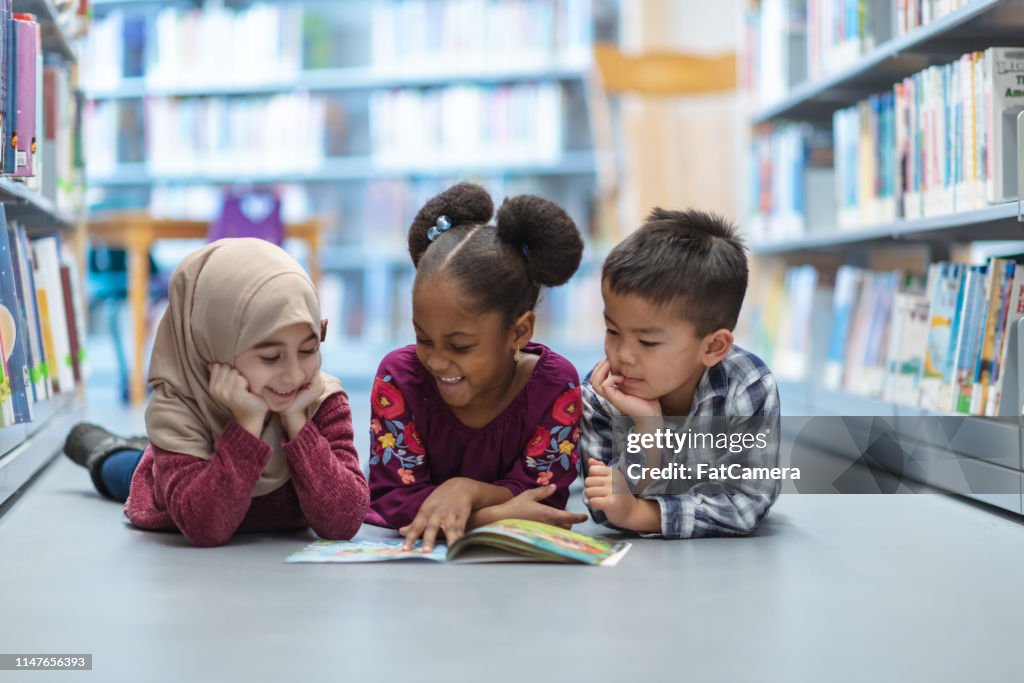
538 443
566 410
385 399
413 441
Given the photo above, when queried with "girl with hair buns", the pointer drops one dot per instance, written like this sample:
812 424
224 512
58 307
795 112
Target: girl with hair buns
476 422
244 431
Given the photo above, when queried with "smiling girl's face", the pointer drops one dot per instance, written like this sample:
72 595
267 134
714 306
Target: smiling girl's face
281 365
468 353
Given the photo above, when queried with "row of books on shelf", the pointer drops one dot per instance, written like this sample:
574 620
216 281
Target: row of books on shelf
941 141
177 45
938 342
911 14
298 131
38 112
450 35
792 181
264 42
454 125
792 41
376 306
42 322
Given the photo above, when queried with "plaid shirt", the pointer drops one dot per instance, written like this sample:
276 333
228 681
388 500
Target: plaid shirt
741 385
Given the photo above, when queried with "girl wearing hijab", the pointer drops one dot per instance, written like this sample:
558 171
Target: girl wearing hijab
244 433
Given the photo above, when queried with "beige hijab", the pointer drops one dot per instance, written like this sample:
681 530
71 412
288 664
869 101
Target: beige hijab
224 299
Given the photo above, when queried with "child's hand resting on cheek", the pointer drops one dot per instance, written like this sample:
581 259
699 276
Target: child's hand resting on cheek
231 390
294 416
606 489
607 385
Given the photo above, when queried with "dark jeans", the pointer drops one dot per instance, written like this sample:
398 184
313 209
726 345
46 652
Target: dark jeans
116 473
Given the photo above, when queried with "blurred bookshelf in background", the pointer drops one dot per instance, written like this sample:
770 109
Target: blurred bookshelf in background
357 111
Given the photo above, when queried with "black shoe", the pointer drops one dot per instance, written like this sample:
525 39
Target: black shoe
90 445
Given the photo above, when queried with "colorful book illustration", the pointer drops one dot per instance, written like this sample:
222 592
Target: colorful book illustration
14 332
39 372
510 540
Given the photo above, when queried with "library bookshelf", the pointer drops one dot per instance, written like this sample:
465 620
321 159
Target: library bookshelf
389 102
26 448
978 457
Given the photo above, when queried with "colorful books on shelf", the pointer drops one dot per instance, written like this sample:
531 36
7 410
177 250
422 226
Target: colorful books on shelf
41 320
510 540
912 14
939 343
792 182
942 141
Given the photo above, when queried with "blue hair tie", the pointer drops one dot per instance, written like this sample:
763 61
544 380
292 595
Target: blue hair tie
443 223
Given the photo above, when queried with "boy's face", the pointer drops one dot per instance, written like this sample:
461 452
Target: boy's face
657 353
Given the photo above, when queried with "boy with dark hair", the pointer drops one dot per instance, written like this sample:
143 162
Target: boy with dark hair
672 295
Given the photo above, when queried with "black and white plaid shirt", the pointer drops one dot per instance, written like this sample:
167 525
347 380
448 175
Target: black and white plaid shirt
740 386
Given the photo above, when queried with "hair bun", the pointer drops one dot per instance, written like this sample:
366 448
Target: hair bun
463 204
548 237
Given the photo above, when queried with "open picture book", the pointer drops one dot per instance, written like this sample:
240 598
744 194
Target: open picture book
510 540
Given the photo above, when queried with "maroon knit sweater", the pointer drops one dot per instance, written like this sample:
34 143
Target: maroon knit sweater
210 500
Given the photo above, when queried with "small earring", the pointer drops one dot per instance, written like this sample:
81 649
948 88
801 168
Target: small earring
517 356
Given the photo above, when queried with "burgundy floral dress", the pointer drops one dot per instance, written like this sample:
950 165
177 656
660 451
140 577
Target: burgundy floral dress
417 443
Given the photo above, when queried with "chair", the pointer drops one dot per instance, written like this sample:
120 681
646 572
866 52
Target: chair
250 213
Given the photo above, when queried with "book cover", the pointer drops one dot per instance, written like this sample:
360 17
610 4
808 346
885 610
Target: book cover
39 372
958 384
47 260
844 302
24 137
9 156
1004 66
14 333
510 540
941 315
49 346
5 18
6 396
1014 312
71 322
26 299
996 286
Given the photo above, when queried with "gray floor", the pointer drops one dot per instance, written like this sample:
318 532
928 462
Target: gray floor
837 588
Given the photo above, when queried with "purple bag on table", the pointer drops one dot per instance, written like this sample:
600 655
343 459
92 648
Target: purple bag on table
252 214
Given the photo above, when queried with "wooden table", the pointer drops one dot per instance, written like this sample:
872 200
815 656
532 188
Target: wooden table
136 232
